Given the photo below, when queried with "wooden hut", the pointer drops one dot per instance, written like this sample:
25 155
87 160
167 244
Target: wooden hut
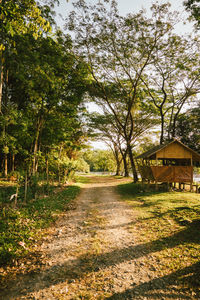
171 162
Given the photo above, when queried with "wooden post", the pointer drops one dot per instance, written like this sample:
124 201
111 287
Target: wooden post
143 183
168 186
197 189
148 185
191 175
156 183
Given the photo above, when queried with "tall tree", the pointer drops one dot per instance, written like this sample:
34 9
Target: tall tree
174 80
118 50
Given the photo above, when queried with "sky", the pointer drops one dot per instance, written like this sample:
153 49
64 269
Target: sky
125 7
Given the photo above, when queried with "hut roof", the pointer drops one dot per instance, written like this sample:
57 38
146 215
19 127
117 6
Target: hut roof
151 153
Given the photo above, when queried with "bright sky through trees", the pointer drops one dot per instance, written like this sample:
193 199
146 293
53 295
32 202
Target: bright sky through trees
126 6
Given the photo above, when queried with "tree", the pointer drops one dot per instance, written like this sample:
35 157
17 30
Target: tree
188 128
99 160
174 80
104 129
118 50
18 17
193 7
45 86
107 130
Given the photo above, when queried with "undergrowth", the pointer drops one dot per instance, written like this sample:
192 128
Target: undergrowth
19 226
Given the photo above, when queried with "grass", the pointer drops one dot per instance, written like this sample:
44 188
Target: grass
20 226
168 228
81 179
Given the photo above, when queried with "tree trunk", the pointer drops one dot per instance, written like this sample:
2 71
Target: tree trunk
37 160
118 169
13 163
59 168
124 155
47 170
34 156
35 148
6 165
118 161
162 129
1 82
25 187
135 176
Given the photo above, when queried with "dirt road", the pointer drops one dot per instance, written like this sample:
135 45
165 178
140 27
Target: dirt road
91 254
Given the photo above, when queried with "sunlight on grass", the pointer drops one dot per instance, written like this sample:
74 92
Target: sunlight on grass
167 225
81 179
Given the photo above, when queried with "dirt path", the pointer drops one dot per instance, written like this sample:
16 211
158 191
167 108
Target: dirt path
91 254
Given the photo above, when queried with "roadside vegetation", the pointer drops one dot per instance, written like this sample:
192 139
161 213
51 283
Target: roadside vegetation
167 227
21 226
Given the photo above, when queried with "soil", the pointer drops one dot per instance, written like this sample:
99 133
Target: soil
91 253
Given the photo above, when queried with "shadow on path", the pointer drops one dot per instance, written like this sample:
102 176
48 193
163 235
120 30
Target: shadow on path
165 287
87 263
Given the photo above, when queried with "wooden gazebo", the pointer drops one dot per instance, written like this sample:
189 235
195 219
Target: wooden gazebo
171 162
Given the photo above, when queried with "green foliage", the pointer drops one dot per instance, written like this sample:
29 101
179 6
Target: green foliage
193 7
64 167
20 17
138 66
145 144
19 226
188 128
100 160
45 87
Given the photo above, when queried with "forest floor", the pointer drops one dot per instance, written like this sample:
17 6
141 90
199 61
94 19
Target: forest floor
95 252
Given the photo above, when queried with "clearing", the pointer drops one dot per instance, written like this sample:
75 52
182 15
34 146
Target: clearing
107 248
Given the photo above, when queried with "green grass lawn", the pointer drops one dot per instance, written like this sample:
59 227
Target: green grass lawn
20 226
168 226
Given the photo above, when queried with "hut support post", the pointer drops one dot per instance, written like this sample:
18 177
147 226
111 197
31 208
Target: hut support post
191 176
148 185
196 188
156 182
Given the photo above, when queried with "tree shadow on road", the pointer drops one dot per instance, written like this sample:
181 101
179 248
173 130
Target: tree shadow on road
87 263
167 287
